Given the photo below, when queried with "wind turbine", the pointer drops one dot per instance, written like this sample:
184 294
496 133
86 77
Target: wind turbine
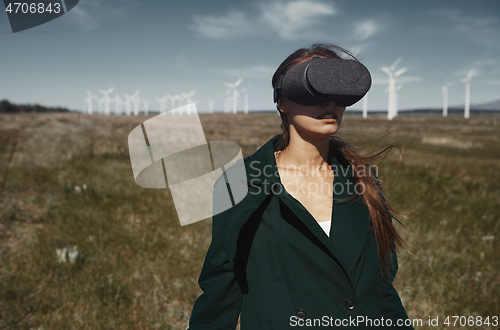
245 99
89 99
172 104
466 81
396 107
100 105
118 104
137 102
391 71
365 106
187 97
235 92
227 103
128 102
106 99
169 97
444 90
162 101
210 106
146 104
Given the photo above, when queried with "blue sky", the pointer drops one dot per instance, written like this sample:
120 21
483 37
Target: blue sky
173 47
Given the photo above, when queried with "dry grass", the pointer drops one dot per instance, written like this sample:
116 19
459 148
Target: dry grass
141 266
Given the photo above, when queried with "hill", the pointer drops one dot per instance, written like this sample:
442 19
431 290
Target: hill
6 106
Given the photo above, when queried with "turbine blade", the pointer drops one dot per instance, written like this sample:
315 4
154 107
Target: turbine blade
386 70
471 73
400 72
236 84
393 66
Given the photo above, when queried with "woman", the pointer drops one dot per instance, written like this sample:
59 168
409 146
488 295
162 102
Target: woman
312 243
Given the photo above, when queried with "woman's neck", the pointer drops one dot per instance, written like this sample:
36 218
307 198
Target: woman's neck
305 153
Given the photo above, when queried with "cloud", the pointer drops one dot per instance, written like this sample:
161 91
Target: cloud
232 24
294 19
263 72
289 20
493 82
486 62
364 30
90 14
480 29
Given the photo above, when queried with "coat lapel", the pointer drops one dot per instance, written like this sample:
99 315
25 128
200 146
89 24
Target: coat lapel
349 223
350 220
260 178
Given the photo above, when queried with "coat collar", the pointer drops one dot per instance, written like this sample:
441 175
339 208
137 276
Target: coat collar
350 222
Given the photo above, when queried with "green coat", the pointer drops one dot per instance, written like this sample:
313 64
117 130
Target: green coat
270 260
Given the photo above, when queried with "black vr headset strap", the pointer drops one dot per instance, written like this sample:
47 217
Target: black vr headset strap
277 88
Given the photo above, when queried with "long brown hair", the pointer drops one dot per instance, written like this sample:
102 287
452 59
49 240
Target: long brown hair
381 213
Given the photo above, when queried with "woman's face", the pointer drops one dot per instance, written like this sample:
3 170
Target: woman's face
319 121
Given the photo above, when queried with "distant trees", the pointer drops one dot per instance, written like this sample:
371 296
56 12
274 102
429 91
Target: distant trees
6 106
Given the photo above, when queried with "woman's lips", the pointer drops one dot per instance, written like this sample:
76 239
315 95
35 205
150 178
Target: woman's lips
326 116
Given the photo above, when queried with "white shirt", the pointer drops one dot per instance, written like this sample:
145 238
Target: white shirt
326 226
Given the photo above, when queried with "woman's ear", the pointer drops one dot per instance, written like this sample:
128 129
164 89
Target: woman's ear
282 105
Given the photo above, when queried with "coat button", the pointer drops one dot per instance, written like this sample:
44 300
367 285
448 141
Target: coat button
301 314
350 304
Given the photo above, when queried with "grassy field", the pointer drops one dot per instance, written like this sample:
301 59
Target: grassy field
66 180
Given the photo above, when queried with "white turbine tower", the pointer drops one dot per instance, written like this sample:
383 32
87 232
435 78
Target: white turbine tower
396 107
168 97
444 90
245 99
210 106
106 99
137 102
173 99
89 99
188 99
100 105
118 104
235 92
128 103
162 101
391 71
227 102
466 81
365 106
145 104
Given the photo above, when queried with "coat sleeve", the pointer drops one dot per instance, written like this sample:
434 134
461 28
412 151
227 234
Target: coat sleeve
218 307
392 307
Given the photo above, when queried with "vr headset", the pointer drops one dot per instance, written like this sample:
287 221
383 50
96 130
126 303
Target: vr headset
321 80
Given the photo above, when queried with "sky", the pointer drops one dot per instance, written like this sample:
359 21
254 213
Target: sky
171 47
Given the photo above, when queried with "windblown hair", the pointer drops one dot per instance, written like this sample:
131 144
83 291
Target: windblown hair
364 175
